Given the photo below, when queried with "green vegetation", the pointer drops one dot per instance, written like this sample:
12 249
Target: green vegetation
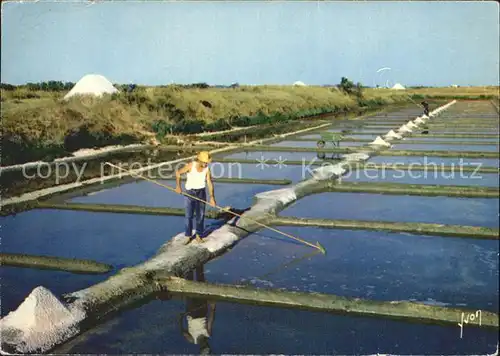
39 125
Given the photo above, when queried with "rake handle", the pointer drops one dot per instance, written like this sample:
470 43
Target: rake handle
216 206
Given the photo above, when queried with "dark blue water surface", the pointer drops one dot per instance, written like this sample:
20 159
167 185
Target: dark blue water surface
272 170
459 131
450 147
451 139
271 157
362 129
375 265
365 136
148 194
437 161
458 272
368 264
364 206
422 177
241 329
343 144
117 239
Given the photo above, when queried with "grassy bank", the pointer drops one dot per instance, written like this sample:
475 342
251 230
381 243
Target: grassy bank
467 93
39 125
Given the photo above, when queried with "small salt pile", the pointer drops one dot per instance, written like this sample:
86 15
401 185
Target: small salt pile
380 142
404 128
411 125
39 321
393 134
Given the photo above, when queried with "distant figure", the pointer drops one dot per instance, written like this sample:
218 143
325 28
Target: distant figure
200 316
131 88
425 105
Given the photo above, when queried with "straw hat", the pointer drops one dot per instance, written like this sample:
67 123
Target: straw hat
204 157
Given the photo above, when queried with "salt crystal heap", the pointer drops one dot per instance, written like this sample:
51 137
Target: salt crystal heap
92 84
419 120
392 134
405 129
32 325
380 142
410 124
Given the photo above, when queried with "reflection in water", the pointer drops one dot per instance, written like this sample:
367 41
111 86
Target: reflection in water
199 317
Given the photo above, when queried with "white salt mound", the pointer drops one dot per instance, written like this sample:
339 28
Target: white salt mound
380 142
92 84
411 125
404 128
39 322
392 134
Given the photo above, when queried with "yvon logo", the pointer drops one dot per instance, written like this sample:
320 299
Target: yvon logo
466 318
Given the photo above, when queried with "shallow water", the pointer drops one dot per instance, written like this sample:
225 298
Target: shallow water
403 176
391 270
329 144
366 136
148 194
365 206
451 139
274 157
362 129
365 264
491 132
450 147
245 329
381 127
117 239
437 161
272 170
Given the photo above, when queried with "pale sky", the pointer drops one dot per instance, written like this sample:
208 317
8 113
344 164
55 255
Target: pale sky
251 42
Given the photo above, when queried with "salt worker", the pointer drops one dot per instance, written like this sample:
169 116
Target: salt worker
425 105
198 176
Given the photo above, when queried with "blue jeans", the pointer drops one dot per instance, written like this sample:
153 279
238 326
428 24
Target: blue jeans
193 207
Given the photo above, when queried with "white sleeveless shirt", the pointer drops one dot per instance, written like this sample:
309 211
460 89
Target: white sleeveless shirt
197 327
195 179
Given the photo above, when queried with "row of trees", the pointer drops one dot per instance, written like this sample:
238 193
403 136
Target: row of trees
345 85
51 85
54 85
